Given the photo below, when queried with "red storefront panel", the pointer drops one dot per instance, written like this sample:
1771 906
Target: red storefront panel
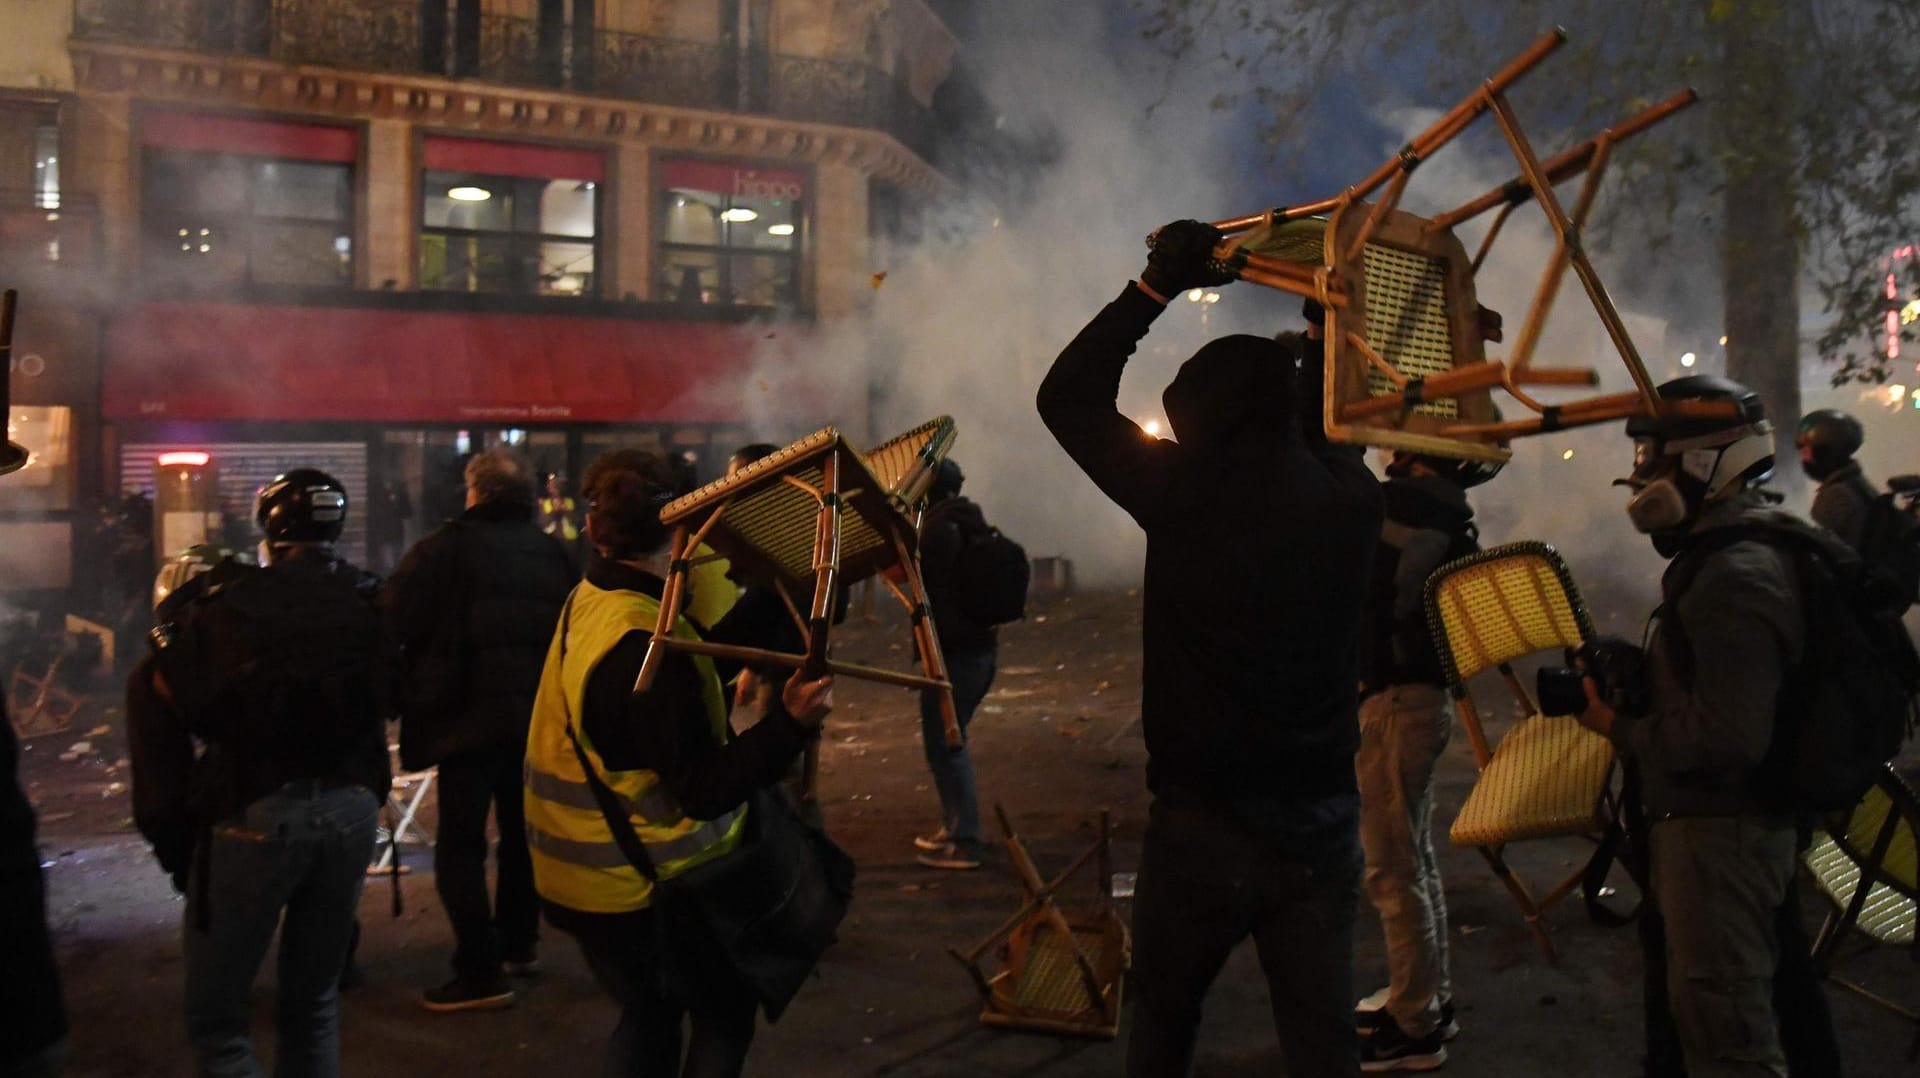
215 133
223 361
495 158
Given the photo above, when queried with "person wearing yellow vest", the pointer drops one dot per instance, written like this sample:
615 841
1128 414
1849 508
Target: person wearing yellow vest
556 510
668 757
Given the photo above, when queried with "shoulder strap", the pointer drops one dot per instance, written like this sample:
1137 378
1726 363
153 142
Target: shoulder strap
618 825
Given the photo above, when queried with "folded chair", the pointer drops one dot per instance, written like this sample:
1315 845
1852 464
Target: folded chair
1865 863
39 703
817 515
1405 363
1549 777
1056 973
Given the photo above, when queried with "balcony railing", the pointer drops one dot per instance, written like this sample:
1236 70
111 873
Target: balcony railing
407 37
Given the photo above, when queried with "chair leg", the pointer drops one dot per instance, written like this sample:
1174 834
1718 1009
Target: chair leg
826 567
927 642
1528 908
669 611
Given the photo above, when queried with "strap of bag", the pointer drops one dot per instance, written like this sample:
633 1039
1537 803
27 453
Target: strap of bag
618 824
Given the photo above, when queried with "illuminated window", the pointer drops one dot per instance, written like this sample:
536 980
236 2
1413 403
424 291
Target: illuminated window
518 234
46 481
730 234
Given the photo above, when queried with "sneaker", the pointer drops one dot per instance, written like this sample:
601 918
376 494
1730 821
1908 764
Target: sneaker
933 843
1388 1049
949 855
1370 1014
463 995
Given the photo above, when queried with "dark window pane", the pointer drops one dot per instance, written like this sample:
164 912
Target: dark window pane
217 220
759 280
315 192
299 252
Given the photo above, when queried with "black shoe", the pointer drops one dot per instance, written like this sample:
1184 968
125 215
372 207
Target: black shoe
489 994
1369 1020
1388 1049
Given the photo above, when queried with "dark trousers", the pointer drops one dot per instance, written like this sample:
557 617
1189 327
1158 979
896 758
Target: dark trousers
623 951
1209 880
485 933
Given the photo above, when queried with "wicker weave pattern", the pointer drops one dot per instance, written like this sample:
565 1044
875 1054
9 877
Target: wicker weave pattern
904 466
1407 320
759 471
1887 916
1498 605
1545 779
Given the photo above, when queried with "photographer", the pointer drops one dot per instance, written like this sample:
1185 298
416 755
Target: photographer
1721 849
1249 701
1843 504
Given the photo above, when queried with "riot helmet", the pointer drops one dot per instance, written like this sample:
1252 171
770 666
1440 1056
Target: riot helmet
947 480
1827 440
1685 457
305 505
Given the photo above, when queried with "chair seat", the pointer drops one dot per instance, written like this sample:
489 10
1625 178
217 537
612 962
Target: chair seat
1545 779
1887 915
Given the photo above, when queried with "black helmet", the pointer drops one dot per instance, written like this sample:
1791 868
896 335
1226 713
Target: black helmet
1827 439
1714 452
305 505
947 479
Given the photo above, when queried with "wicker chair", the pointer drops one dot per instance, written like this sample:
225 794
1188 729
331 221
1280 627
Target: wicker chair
818 514
1873 845
1549 777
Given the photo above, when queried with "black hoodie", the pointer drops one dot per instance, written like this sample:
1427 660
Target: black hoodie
1260 537
1429 523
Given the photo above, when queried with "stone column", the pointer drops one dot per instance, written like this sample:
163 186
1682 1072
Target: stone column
388 233
627 245
839 259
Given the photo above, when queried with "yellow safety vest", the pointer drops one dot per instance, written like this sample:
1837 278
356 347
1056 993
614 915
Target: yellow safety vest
576 862
556 518
712 593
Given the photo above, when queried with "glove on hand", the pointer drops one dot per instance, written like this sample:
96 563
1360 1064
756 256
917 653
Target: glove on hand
1182 258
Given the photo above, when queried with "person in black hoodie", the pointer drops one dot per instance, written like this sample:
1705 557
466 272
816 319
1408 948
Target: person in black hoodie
1405 723
473 607
33 1039
1248 700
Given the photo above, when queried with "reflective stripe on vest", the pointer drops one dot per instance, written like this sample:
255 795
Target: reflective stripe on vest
576 862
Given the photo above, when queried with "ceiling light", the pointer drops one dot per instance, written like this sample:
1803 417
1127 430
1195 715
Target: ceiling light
469 194
1687 359
779 230
739 215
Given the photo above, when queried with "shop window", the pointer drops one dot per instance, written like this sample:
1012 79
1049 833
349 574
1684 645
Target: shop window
730 235
45 482
217 219
515 234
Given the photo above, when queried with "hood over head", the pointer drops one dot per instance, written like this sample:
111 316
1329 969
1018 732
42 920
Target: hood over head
1232 386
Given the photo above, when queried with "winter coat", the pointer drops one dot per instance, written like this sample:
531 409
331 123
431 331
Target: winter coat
949 524
473 607
1251 693
30 998
1844 503
1429 523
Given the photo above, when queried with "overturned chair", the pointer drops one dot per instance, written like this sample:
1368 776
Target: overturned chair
1549 777
817 516
1056 973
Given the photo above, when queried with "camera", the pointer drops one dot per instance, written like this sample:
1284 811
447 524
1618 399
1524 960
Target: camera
1619 672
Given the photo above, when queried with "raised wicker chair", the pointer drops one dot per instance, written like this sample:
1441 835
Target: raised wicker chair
1056 973
1874 844
1549 777
814 515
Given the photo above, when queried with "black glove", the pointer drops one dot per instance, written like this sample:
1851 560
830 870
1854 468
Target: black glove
1182 258
1619 670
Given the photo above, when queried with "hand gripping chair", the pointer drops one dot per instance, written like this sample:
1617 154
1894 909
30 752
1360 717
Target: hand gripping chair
1865 863
1549 777
1405 363
818 514
1057 973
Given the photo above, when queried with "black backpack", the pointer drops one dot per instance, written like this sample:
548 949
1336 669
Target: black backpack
1890 543
991 574
1847 707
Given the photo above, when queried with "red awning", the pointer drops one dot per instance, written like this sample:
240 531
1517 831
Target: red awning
228 361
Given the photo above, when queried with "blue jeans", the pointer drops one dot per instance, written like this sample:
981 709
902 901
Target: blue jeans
971 673
302 850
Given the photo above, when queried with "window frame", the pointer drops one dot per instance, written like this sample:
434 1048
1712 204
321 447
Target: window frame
796 256
518 241
157 242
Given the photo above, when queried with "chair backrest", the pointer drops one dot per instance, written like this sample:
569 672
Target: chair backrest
1490 608
905 464
1889 814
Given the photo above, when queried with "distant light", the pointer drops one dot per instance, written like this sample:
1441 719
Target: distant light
206 232
1568 455
1896 393
1152 427
1211 297
186 247
469 194
739 215
183 459
183 232
1193 295
341 245
205 247
1908 314
588 185
1687 359
1723 340
779 230
53 217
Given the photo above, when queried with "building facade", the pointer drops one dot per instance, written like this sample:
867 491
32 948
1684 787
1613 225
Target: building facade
377 235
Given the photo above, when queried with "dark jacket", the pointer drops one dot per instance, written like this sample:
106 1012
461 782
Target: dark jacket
1700 751
473 607
944 533
1429 523
1260 537
1844 503
35 1018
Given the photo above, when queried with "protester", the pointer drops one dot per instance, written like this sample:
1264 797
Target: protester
33 1038
666 756
1722 845
1406 720
473 607
557 512
278 673
1249 699
1843 504
970 649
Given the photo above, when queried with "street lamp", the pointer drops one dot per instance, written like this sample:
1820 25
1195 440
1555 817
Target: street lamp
1206 300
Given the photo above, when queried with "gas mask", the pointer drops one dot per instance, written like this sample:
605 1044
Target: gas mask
1671 480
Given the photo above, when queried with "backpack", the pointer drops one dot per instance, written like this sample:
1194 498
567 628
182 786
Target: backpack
1890 542
1847 707
991 574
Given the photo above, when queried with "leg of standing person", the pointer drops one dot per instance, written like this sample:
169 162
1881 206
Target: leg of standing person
971 674
333 845
239 882
1719 881
516 905
620 953
1807 1036
466 792
1304 933
1190 910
